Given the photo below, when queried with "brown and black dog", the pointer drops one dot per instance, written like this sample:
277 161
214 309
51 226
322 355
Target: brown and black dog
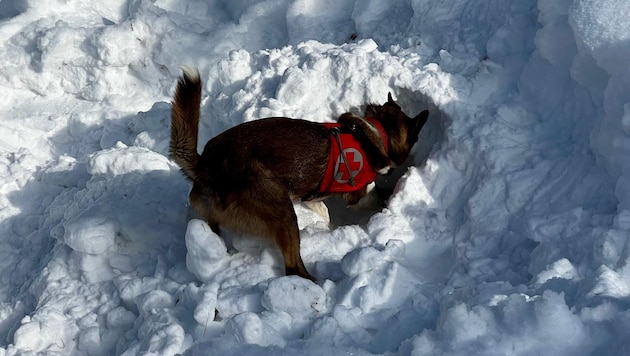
247 177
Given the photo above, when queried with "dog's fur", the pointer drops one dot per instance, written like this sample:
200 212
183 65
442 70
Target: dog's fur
247 177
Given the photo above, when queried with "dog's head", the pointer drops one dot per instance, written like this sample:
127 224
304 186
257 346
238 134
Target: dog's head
402 130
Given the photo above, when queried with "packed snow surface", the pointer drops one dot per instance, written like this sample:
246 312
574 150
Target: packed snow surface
509 234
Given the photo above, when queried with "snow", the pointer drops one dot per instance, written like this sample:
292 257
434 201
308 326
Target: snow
508 234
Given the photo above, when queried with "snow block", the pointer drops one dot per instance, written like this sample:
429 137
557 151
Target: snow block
206 306
93 231
205 250
389 285
154 299
250 329
122 159
238 299
369 258
294 295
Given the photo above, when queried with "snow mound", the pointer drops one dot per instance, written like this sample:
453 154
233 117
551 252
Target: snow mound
508 233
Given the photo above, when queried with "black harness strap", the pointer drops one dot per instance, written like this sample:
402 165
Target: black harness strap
351 181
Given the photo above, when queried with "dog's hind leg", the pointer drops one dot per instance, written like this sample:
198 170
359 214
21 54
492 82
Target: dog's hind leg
204 207
266 210
289 245
287 236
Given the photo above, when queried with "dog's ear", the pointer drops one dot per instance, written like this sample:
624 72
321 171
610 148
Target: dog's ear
419 121
391 102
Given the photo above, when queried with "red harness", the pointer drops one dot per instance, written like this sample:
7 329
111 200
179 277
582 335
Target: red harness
348 168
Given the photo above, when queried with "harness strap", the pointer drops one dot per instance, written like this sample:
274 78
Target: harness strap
351 181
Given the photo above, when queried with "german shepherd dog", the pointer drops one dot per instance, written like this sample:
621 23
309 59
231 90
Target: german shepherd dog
247 177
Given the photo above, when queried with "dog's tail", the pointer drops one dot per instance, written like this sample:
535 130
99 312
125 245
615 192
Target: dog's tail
185 123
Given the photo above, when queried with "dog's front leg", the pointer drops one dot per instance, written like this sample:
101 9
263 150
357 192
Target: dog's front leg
352 198
368 200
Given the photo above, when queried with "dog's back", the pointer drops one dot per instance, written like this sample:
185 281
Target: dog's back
292 152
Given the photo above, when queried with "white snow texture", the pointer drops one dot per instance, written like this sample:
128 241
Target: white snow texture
508 235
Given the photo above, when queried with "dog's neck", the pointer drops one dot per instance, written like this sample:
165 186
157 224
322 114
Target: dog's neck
380 130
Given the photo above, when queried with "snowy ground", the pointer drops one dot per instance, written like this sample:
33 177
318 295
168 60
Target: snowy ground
509 236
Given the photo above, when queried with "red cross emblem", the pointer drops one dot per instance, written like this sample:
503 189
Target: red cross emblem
355 163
